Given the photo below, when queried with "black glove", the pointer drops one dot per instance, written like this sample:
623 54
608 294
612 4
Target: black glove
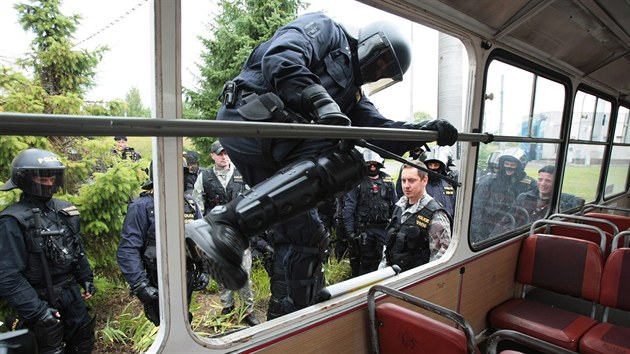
321 108
48 318
145 292
447 133
89 288
201 281
48 331
268 258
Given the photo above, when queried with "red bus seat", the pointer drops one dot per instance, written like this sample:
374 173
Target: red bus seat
559 264
524 340
583 234
622 222
399 330
615 293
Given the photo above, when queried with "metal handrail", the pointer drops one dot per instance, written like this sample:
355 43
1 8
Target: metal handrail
70 125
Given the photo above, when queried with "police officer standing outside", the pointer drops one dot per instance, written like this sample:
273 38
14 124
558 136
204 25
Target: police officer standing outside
42 259
125 152
137 253
218 186
420 230
194 170
367 211
495 194
442 191
311 71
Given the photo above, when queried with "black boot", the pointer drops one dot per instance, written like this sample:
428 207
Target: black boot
220 239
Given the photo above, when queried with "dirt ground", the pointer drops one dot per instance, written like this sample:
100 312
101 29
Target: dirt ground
114 306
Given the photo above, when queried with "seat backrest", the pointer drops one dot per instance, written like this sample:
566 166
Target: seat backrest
561 264
582 234
405 331
622 222
615 286
396 329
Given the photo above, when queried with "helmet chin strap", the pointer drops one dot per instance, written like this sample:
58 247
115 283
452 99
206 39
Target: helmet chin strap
391 155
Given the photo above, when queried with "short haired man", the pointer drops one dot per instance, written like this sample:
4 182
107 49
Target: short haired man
420 230
536 201
124 151
218 186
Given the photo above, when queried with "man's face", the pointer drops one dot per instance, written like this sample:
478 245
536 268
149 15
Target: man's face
413 185
510 167
121 145
545 184
221 160
45 181
433 165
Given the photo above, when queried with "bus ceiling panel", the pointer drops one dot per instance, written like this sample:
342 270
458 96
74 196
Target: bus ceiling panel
581 37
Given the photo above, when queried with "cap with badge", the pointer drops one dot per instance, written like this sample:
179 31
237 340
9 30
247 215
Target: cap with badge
217 148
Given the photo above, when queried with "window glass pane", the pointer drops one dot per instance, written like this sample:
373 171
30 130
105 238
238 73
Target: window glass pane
591 117
548 108
621 130
508 100
505 195
618 173
582 171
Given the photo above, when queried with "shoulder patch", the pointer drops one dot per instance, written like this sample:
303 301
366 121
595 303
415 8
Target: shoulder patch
388 179
312 30
70 211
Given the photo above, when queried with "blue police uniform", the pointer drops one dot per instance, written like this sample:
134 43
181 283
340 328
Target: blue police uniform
313 49
137 254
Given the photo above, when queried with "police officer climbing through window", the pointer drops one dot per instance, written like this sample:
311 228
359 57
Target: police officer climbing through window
43 262
310 71
137 253
442 191
367 211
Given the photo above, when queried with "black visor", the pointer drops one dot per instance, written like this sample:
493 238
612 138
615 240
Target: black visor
378 60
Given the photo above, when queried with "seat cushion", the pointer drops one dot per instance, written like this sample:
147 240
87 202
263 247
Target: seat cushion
606 338
551 324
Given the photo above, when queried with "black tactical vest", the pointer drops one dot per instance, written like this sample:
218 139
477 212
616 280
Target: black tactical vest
62 246
215 194
374 200
408 242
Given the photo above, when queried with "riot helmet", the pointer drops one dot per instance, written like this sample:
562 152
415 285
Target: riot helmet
436 154
36 172
373 161
493 161
384 55
515 155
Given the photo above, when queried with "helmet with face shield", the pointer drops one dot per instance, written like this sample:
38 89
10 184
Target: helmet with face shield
36 172
514 155
384 55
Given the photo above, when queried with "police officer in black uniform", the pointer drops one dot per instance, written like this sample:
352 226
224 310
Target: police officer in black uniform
137 253
367 211
194 170
310 71
442 191
495 193
42 259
